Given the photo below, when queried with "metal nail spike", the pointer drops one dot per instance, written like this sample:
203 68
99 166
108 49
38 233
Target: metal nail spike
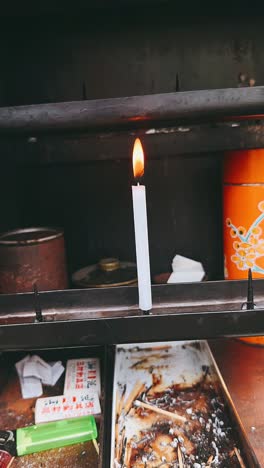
39 317
249 305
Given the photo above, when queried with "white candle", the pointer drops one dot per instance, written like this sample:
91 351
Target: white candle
141 231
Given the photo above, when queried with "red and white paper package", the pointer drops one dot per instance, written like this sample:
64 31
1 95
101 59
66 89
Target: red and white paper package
82 375
69 406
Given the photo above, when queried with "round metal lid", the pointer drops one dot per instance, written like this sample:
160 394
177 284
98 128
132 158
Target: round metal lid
108 273
109 264
31 235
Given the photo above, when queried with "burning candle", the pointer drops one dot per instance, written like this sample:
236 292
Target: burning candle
141 230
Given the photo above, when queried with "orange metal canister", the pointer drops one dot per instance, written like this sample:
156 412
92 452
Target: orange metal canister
243 212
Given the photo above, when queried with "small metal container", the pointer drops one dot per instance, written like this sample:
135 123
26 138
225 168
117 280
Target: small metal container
175 365
108 273
32 256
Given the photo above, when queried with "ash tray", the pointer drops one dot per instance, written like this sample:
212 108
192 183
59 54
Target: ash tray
108 273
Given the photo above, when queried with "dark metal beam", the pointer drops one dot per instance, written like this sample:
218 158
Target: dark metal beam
77 304
176 326
159 143
109 316
133 112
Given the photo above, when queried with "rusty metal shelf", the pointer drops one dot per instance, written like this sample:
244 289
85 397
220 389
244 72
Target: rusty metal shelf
110 316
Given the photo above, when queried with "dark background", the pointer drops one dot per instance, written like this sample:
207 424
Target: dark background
74 51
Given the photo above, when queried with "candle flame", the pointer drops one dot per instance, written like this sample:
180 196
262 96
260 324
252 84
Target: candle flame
138 159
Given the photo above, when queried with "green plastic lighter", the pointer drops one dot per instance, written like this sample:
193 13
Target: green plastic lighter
51 435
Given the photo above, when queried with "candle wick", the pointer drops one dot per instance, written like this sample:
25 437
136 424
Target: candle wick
138 183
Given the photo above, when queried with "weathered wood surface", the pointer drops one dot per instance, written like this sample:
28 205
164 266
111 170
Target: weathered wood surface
133 112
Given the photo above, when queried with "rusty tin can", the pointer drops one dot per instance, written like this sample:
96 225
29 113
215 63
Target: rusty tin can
32 256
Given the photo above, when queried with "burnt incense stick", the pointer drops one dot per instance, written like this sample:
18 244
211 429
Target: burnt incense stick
242 464
135 393
94 441
11 462
120 401
123 451
120 444
116 434
180 460
209 461
160 411
128 453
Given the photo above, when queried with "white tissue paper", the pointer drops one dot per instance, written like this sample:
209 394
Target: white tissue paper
186 270
34 371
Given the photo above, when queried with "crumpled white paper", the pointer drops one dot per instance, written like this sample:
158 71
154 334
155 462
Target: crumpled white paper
186 270
34 371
